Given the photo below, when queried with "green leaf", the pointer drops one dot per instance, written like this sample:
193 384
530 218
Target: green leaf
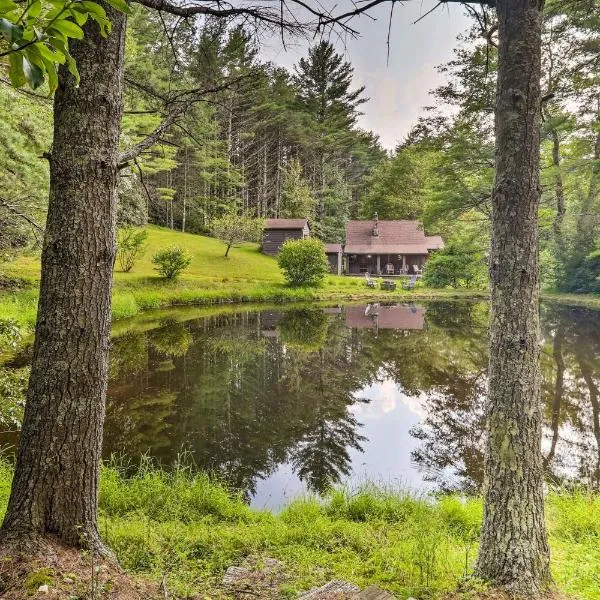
91 7
35 8
33 74
103 23
7 6
67 28
50 55
15 71
95 12
10 32
63 47
120 5
34 56
52 74
79 16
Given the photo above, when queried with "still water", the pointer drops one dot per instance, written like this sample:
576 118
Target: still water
278 402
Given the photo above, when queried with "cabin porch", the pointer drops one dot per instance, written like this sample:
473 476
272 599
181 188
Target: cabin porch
389 265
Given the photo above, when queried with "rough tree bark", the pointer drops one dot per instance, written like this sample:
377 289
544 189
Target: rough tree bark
514 551
55 486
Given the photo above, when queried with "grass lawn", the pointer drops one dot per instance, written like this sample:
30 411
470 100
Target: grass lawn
246 275
189 529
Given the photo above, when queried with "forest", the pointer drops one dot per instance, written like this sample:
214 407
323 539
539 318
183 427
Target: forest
280 143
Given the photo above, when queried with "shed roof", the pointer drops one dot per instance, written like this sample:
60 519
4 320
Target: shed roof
393 237
333 248
286 223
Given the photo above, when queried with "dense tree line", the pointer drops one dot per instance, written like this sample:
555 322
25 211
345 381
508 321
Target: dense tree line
271 143
443 171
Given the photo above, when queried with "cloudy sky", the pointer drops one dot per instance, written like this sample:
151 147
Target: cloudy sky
397 90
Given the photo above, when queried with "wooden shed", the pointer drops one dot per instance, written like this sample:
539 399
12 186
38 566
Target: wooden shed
335 256
277 231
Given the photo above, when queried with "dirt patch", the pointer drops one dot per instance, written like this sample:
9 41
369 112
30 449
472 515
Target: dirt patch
55 572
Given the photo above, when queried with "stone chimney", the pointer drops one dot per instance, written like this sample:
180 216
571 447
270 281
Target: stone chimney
376 225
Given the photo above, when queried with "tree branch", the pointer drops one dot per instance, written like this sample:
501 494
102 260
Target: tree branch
37 229
179 104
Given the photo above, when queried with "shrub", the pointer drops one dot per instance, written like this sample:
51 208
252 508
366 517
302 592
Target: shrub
130 246
171 262
303 262
460 264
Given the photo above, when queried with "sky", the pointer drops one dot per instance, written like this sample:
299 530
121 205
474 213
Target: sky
398 90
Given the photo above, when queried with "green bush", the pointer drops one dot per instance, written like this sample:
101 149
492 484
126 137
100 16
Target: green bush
171 262
460 264
303 262
130 246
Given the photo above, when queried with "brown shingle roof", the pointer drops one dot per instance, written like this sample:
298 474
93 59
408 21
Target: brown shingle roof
285 223
435 242
333 248
395 237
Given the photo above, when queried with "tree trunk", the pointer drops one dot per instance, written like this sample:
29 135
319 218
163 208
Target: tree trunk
55 486
185 174
561 209
559 389
514 551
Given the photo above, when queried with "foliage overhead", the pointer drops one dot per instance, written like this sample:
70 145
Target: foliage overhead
35 36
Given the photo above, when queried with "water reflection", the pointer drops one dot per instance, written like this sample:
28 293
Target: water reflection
283 400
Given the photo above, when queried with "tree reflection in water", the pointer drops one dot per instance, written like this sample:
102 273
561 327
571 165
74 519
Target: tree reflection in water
247 392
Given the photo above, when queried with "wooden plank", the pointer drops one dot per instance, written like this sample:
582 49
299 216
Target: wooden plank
373 593
334 590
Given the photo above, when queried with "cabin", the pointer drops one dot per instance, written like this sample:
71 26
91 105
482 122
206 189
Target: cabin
335 256
391 248
278 231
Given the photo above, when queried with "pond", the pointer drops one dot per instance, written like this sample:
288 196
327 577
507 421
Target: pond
287 400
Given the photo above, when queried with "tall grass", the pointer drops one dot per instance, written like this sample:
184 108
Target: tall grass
190 527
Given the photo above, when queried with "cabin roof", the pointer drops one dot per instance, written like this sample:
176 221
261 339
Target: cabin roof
392 237
286 223
333 248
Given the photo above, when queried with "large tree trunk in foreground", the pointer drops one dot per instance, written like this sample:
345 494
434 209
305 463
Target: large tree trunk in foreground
55 486
514 551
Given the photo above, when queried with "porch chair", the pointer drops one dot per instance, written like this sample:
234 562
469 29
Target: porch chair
371 283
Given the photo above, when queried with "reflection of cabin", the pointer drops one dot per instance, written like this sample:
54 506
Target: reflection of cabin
277 231
335 256
376 316
388 247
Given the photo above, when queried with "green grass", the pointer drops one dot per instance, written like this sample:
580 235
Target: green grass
246 276
191 528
